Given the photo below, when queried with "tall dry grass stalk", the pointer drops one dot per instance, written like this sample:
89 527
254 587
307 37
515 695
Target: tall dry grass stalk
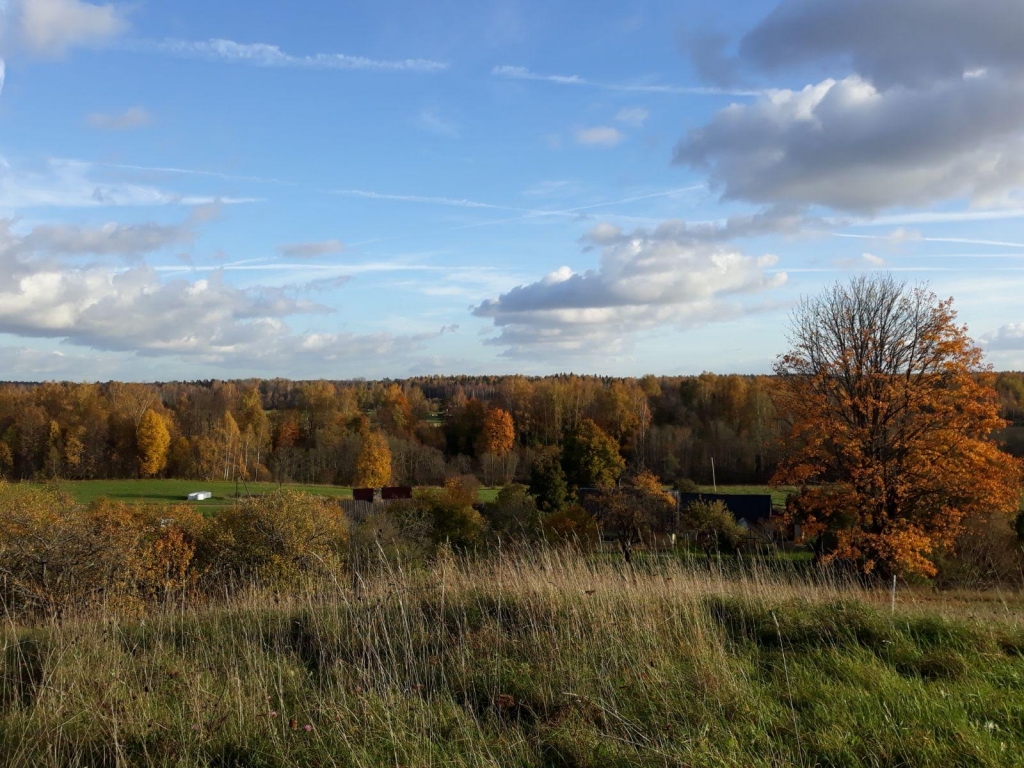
533 657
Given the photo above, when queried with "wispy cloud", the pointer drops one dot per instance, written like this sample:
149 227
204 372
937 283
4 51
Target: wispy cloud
250 265
430 121
522 73
551 188
131 118
266 55
73 184
599 136
311 250
171 170
576 210
903 236
426 199
634 116
523 214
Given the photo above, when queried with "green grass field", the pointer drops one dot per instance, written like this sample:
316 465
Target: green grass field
175 491
778 494
159 491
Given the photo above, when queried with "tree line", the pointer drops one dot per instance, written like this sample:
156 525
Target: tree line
432 428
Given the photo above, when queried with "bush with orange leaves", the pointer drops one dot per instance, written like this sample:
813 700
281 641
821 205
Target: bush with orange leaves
57 555
175 551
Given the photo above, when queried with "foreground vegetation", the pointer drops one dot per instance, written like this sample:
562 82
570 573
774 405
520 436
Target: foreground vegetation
539 658
277 632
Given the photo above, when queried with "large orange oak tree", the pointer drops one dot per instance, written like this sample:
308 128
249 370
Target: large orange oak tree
890 412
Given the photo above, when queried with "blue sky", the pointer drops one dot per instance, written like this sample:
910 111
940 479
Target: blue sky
322 189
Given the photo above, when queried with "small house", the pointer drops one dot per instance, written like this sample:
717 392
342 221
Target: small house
200 496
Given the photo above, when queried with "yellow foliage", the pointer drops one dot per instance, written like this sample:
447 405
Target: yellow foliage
154 442
373 465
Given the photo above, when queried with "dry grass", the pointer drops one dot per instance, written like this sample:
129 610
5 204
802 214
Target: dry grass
546 657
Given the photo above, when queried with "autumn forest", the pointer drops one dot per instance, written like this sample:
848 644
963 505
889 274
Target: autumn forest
312 432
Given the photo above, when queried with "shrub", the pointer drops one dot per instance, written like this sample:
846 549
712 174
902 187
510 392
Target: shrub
400 533
987 552
177 547
686 485
450 509
514 514
571 524
56 554
281 535
712 525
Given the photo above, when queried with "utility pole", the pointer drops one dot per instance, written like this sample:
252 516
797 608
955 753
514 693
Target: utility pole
714 483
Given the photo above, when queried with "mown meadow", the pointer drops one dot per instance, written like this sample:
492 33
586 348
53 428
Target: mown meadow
167 491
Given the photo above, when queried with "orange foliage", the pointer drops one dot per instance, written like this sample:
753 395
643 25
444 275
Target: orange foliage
499 433
890 413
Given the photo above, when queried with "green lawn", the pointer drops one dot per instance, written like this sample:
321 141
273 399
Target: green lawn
778 494
173 491
160 491
486 494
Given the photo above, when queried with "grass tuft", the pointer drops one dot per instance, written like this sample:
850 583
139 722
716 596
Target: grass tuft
544 657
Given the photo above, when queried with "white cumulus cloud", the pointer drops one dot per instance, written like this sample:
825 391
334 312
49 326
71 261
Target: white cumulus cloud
644 279
135 310
925 103
1009 337
848 145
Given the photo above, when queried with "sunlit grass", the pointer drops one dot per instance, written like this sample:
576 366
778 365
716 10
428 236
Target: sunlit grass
161 491
543 658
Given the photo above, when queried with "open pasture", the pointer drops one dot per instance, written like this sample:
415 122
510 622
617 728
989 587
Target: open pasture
160 491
